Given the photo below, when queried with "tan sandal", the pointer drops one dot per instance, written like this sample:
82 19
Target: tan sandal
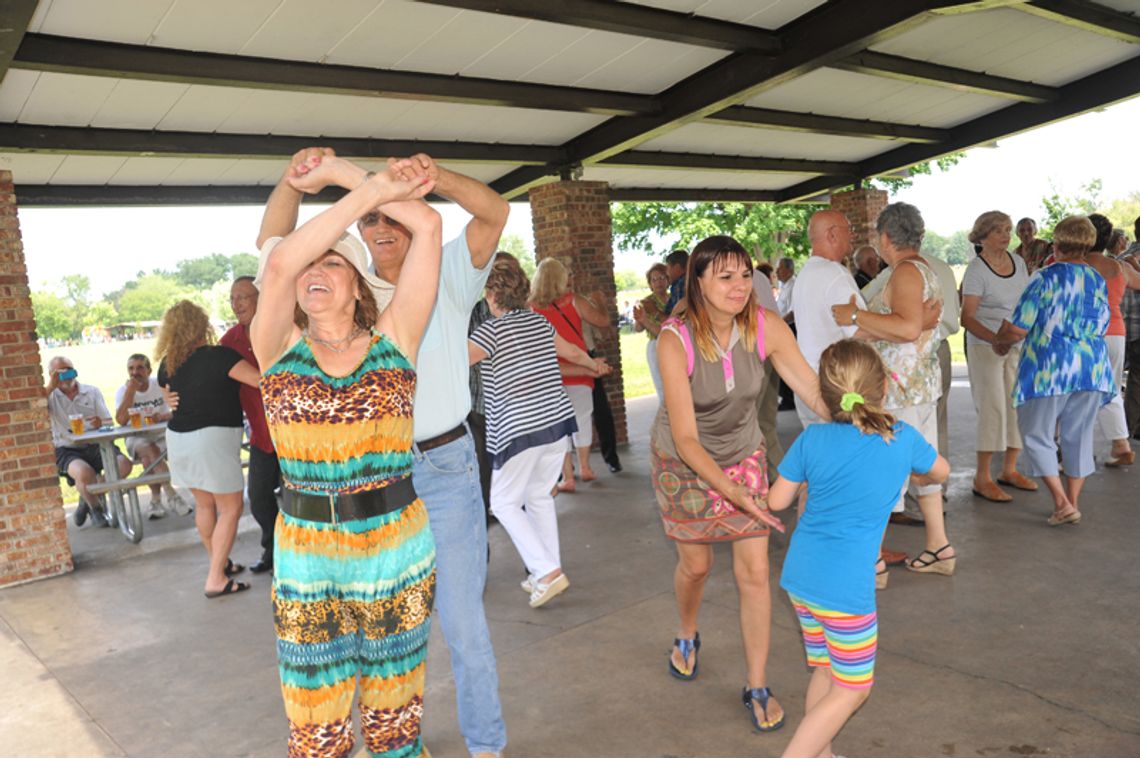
933 565
1071 516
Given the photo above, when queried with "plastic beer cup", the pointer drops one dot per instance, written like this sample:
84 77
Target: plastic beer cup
76 421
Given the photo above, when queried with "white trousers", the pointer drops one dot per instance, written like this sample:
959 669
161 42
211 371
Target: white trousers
1110 421
528 479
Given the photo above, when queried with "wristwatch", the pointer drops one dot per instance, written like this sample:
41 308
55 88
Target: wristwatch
854 315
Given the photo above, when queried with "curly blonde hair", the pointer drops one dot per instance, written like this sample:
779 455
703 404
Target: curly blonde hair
185 328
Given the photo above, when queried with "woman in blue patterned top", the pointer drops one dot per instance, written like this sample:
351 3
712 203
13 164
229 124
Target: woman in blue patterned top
1064 375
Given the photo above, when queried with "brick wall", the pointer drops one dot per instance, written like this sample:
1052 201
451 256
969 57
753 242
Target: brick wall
572 221
33 530
862 207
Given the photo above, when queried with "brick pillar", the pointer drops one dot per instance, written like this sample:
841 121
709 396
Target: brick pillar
861 207
572 221
33 528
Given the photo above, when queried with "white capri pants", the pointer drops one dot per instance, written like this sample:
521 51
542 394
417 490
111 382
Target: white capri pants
582 398
1110 421
1039 418
528 479
924 418
993 378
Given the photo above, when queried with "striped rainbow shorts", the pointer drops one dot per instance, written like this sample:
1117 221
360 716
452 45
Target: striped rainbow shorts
843 641
354 598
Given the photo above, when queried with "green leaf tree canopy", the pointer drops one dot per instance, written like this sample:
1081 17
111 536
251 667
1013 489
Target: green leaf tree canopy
766 230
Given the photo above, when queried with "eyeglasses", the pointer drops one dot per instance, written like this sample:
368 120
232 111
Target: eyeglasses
242 298
373 218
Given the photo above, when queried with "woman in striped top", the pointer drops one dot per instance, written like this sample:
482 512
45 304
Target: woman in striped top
529 418
354 559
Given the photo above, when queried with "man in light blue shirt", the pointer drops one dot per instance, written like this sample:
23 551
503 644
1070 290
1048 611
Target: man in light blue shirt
446 468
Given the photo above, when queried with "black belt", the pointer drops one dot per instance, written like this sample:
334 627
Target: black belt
451 435
353 507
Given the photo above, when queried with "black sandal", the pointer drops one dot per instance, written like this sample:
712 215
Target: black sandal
934 564
687 648
232 568
231 588
761 695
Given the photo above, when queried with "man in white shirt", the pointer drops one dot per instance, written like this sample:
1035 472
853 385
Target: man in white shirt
830 283
67 399
143 396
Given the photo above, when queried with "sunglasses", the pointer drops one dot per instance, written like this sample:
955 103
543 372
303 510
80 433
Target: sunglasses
373 218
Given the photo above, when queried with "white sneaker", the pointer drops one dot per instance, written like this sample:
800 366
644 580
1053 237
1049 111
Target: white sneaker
178 503
544 592
156 510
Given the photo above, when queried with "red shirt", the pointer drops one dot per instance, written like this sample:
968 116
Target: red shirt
237 338
565 319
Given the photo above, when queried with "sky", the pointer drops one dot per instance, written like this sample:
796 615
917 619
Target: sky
111 245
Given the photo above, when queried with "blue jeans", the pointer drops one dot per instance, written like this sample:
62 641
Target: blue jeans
447 480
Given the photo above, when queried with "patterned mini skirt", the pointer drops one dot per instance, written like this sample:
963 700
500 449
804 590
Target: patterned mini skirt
691 511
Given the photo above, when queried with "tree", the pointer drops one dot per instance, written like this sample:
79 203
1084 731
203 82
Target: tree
628 280
202 273
242 264
53 319
955 249
513 244
764 229
1124 211
102 313
1058 207
894 183
77 293
148 298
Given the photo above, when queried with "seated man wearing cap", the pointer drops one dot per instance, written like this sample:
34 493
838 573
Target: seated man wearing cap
82 404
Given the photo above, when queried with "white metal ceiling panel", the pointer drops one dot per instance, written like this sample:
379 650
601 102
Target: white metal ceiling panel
1124 6
391 33
135 104
130 21
146 171
343 116
650 67
30 168
832 92
462 40
217 26
250 171
654 178
302 30
65 100
772 143
199 171
203 108
484 123
87 169
766 14
1010 43
15 91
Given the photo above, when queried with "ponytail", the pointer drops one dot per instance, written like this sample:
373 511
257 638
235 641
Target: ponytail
852 382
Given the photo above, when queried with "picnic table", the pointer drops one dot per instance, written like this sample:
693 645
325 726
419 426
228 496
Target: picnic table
124 512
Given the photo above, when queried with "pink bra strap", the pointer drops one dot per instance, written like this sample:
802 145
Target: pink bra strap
682 331
760 332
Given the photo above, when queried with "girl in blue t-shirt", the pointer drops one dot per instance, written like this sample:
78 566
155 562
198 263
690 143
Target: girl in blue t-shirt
854 469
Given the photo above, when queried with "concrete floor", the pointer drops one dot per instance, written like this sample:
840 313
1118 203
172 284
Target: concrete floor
1030 649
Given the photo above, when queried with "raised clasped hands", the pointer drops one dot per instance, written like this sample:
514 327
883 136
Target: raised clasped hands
311 170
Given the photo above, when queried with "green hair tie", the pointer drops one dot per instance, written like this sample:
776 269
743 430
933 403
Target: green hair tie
850 400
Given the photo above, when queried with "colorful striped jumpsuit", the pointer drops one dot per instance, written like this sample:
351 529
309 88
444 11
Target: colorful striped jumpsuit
353 597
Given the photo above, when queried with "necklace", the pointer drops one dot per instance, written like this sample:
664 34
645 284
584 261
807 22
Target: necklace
333 344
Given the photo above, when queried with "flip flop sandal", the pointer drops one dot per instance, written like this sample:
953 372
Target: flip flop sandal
232 568
231 588
686 647
761 695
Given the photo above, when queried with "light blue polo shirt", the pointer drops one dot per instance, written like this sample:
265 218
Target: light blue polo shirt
443 396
